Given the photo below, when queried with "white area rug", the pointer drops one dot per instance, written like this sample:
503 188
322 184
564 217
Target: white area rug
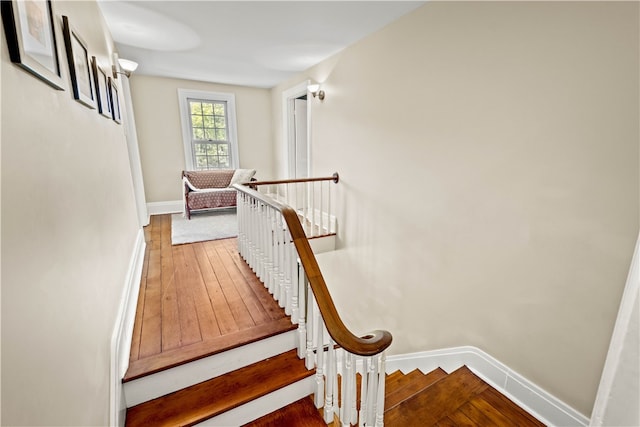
212 225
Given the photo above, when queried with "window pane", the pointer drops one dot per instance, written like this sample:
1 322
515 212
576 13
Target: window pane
207 121
209 134
198 134
218 109
213 162
207 109
200 149
196 121
212 149
201 162
223 149
221 134
220 122
196 107
223 161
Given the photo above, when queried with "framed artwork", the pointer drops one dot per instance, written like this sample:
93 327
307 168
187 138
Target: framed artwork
115 101
31 38
79 68
102 89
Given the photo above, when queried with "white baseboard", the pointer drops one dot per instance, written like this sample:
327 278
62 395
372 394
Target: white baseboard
533 399
172 206
123 331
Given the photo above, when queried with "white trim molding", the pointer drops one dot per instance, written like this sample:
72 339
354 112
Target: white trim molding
288 131
123 331
172 206
533 399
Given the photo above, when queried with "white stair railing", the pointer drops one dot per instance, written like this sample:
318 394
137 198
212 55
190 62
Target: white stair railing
273 242
309 197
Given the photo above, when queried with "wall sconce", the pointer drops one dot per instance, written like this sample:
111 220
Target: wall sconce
316 91
127 67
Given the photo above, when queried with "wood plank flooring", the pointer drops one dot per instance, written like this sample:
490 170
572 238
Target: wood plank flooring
195 300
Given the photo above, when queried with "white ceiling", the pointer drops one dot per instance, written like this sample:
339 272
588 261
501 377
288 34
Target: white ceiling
249 43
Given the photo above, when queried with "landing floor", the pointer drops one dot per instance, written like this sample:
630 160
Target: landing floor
195 300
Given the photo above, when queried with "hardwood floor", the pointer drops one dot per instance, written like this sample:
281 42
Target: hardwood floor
195 300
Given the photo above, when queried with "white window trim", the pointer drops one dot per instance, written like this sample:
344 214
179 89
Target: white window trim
230 98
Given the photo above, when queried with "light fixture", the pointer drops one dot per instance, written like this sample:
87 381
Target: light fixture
316 91
127 67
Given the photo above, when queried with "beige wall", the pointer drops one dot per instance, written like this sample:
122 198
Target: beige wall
68 231
488 156
155 104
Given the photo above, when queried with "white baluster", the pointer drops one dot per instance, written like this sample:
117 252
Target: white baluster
291 277
320 210
274 237
249 224
285 271
372 392
329 382
347 403
254 235
362 419
353 394
311 324
320 363
258 260
380 397
239 198
301 318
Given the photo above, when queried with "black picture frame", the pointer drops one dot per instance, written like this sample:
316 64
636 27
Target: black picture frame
102 89
79 67
31 38
116 114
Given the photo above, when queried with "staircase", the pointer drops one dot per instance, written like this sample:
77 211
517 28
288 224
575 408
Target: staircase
417 399
266 374
412 399
230 399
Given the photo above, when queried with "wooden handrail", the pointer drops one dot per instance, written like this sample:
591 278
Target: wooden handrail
335 178
369 345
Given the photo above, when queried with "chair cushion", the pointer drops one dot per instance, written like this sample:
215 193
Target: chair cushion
216 178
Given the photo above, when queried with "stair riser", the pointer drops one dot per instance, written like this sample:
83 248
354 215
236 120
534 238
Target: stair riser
264 405
165 382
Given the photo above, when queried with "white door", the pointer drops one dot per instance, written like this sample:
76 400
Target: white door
301 140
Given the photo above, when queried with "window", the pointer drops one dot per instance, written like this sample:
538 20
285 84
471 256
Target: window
208 122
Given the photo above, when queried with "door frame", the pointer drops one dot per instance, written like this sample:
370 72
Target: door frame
288 129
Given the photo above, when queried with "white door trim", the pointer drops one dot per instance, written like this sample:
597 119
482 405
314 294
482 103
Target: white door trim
288 130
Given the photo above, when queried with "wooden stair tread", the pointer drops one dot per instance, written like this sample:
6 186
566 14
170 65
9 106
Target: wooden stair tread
302 413
182 355
436 401
417 383
394 383
498 407
210 398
